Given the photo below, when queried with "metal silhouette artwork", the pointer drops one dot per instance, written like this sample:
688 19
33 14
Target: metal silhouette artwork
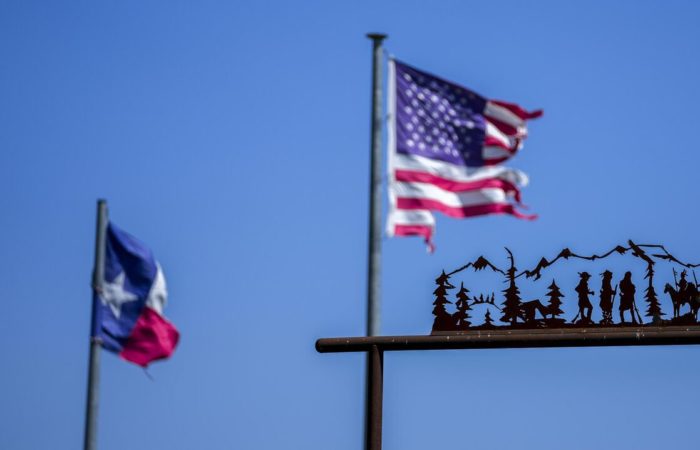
585 308
607 298
614 292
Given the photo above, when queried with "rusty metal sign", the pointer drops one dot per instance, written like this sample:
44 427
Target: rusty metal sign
618 297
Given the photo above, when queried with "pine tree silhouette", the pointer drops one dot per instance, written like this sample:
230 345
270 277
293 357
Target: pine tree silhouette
462 316
654 307
511 305
488 321
555 296
443 320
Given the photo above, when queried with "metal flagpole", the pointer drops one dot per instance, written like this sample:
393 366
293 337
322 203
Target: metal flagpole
375 198
373 388
90 442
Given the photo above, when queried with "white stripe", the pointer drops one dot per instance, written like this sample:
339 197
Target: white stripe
457 173
496 152
412 217
500 113
494 132
454 199
158 295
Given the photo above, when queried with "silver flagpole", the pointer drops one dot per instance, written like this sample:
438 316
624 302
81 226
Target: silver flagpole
372 432
375 197
90 442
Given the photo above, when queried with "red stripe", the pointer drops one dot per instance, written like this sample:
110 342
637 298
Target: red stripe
490 141
517 110
152 338
461 211
457 186
495 161
505 128
417 230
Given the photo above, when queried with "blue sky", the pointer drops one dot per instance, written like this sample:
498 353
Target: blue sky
232 137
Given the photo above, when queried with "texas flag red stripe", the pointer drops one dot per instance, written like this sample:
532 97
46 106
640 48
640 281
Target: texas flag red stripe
152 338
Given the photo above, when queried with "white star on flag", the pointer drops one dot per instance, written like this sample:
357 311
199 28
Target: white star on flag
114 294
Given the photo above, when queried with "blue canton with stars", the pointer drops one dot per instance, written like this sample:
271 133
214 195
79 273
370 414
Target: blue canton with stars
437 119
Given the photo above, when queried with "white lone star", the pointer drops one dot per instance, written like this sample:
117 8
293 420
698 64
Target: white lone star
114 295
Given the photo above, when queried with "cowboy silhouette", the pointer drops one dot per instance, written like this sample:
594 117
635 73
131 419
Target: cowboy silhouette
627 291
585 308
607 297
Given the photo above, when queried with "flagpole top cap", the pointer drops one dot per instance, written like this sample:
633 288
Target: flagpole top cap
376 36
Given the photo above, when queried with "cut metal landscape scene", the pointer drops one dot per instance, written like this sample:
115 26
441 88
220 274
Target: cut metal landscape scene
620 299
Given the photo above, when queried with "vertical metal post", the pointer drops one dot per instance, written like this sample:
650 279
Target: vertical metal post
375 389
374 250
90 442
375 189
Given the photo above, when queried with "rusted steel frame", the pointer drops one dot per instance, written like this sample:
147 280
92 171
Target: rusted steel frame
375 386
483 339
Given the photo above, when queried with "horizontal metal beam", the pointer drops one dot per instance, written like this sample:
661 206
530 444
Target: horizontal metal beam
482 339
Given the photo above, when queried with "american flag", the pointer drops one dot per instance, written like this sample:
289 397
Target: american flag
446 144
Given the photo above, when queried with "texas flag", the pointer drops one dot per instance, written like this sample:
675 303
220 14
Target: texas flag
128 310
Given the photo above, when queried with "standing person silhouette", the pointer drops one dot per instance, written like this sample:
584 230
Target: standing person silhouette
627 291
585 308
683 283
607 295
